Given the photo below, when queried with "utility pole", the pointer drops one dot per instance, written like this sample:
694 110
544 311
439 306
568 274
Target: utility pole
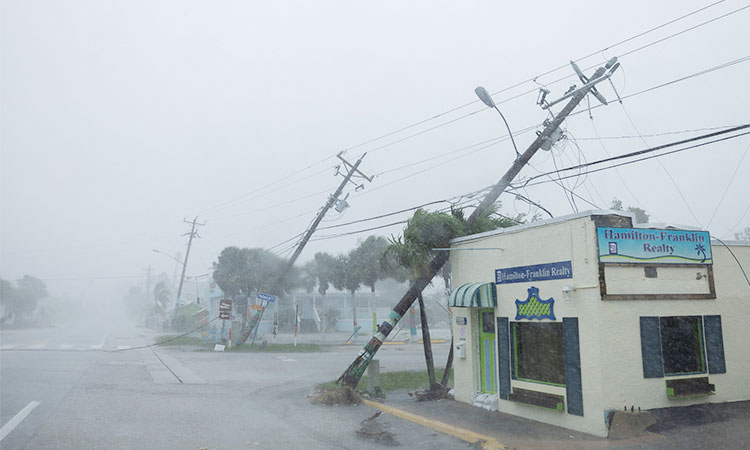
354 372
192 234
351 171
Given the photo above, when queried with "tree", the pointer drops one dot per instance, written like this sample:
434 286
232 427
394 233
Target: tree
245 271
367 257
161 296
641 216
321 268
20 301
347 276
424 232
743 235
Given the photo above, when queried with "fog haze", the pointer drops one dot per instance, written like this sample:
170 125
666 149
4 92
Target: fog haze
119 119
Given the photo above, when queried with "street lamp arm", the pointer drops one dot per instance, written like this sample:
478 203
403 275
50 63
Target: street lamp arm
170 257
510 133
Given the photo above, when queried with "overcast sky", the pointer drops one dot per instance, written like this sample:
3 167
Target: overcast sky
119 119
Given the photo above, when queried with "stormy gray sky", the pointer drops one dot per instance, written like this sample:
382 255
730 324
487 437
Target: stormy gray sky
118 119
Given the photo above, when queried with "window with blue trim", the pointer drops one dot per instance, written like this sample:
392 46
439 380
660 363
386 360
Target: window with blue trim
682 345
538 352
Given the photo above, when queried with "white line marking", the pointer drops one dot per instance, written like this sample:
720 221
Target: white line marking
93 347
123 347
12 423
101 344
7 347
67 346
36 346
288 359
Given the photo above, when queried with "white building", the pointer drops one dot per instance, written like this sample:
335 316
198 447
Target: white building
564 320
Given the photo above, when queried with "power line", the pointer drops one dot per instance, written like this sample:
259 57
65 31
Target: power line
731 180
640 152
444 113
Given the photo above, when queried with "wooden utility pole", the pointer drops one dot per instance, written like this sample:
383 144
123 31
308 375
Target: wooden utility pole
354 372
192 234
352 169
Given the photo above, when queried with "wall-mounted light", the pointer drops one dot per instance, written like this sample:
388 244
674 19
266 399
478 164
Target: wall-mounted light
567 292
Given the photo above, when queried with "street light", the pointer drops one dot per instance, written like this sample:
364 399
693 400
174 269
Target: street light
485 97
169 256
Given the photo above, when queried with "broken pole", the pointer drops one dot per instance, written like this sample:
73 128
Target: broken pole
353 373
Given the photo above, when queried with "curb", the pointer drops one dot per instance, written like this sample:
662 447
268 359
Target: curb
487 442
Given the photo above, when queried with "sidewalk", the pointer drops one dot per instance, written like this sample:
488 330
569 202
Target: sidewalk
724 425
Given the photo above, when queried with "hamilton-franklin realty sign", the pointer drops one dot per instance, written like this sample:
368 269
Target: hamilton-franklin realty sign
641 245
538 272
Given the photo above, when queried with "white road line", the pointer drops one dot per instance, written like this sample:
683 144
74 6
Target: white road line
36 346
67 346
101 344
7 347
94 346
123 347
13 423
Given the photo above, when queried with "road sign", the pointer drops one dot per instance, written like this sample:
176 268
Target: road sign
225 309
266 297
257 307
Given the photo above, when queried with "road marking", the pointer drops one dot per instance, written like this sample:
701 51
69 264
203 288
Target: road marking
101 344
13 423
288 359
7 347
67 346
94 346
487 442
36 346
123 347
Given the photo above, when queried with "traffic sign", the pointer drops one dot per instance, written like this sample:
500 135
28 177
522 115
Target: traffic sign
225 309
257 307
266 297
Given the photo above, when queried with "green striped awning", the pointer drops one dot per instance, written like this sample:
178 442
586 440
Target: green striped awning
474 295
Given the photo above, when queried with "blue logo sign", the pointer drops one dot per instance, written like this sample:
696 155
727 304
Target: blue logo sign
538 272
643 245
534 307
266 297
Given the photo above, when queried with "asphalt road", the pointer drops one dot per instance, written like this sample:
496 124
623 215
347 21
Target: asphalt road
76 390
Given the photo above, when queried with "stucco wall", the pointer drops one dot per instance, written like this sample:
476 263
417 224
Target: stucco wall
623 366
609 330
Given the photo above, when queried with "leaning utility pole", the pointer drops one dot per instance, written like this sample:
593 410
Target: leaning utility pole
352 169
354 372
192 234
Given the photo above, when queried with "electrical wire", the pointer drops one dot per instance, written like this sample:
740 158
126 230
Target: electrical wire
661 164
449 111
731 180
735 258
641 159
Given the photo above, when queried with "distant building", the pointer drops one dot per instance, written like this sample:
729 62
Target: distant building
564 320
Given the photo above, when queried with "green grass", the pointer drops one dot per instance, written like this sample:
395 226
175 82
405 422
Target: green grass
201 343
275 348
392 381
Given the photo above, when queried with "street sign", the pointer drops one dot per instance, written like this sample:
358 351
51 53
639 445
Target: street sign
225 309
266 297
257 307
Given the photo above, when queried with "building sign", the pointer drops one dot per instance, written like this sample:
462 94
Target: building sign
266 297
641 245
538 272
534 307
225 309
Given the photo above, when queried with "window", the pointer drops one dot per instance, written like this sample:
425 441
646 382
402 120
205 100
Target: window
682 344
538 352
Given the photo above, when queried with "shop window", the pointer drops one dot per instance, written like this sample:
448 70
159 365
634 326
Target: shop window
682 345
538 352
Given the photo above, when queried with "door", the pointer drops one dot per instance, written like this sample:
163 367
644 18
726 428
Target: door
487 350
